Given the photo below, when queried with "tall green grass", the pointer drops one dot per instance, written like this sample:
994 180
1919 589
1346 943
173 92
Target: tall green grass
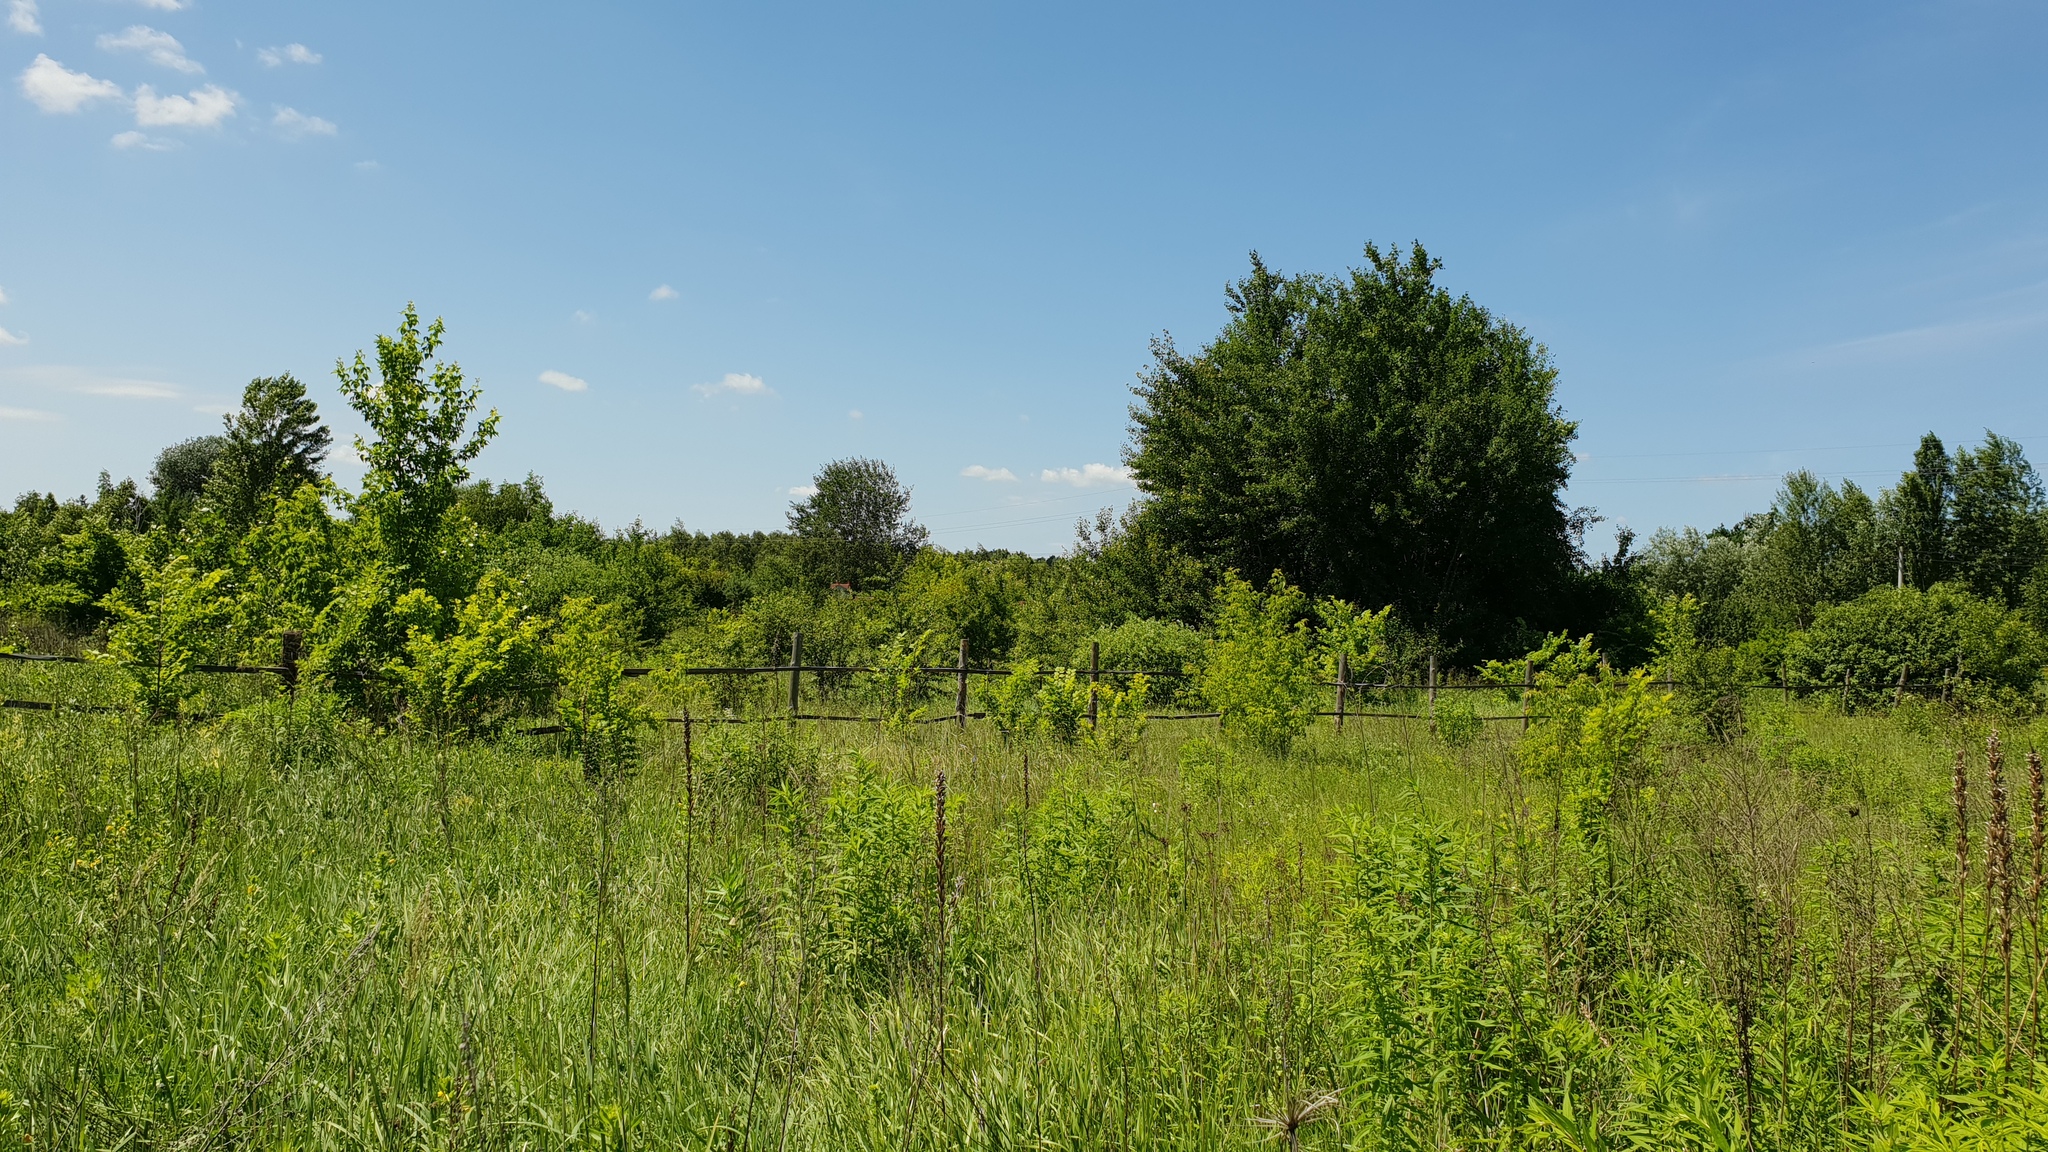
257 932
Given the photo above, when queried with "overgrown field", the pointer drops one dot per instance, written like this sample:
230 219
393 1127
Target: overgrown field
286 929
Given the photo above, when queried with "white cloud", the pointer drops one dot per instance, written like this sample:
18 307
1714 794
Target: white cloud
3 295
981 472
165 5
26 414
289 54
160 47
367 165
582 317
1088 475
737 383
856 414
663 293
804 490
204 108
21 16
564 381
140 140
55 88
295 123
9 339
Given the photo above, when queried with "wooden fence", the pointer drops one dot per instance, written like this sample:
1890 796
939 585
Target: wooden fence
292 652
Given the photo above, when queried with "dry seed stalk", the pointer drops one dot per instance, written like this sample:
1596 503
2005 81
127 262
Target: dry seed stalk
1960 795
1998 872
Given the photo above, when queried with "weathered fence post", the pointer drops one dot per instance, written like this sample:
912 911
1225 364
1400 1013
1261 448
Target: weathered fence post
1094 676
1432 691
290 644
960 692
1343 682
1528 689
689 840
1845 691
796 673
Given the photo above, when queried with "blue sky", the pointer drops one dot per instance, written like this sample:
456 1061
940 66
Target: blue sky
741 240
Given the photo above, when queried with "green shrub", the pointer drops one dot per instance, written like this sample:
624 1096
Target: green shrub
1259 673
1062 705
879 841
1457 720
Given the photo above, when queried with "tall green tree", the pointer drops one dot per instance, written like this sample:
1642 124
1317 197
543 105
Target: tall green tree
180 476
1995 526
1918 509
272 446
856 524
421 441
1374 437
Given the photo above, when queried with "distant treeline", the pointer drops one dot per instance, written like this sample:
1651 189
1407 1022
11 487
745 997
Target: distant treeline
1370 438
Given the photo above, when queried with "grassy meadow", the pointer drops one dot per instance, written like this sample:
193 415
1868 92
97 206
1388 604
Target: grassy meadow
286 929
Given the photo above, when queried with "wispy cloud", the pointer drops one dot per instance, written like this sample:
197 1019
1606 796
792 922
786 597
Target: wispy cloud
3 295
11 340
296 124
27 414
166 5
856 414
582 317
204 108
736 384
289 54
142 140
663 293
1088 475
805 491
158 47
564 381
21 16
982 472
54 88
87 382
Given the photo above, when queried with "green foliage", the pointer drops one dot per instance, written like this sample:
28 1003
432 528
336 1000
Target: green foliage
1374 437
745 764
901 688
958 598
1008 702
1888 634
289 565
1590 735
1259 673
421 441
1359 637
878 840
1076 843
163 625
856 525
180 476
1159 645
1457 719
273 446
1119 718
473 672
1062 706
588 655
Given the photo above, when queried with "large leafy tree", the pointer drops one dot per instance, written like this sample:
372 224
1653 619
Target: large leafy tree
272 446
421 441
1373 437
856 524
1919 508
181 473
1995 520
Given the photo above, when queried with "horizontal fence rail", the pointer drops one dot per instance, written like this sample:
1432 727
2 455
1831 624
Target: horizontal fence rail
289 672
